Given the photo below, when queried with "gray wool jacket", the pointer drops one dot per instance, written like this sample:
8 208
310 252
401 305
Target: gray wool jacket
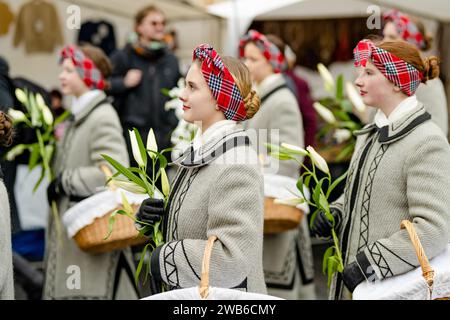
288 263
70 272
400 171
6 268
218 190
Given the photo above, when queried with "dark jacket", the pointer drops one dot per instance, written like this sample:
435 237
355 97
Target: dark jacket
6 99
143 106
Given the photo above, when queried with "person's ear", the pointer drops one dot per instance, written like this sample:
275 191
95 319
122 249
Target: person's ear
397 89
217 107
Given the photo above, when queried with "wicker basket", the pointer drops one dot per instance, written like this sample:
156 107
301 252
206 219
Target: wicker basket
279 218
91 238
427 270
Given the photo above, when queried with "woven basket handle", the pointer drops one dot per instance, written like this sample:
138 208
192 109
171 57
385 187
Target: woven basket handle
427 270
204 280
108 174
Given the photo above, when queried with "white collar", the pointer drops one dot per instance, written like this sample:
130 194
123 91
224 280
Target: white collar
403 108
78 104
218 128
267 82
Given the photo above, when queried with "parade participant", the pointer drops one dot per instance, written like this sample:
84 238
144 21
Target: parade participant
141 70
92 130
6 268
399 170
218 188
399 26
288 275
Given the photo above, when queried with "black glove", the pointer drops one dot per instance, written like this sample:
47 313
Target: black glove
352 276
150 211
322 226
55 190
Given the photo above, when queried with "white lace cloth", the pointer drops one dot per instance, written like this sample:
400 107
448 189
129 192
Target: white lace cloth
85 212
282 187
411 285
214 294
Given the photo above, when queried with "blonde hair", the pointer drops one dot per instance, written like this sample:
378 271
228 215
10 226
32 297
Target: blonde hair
241 76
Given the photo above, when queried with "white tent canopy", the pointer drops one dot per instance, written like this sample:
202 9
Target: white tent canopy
240 13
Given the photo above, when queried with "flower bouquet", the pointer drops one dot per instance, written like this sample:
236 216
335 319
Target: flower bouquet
336 140
137 181
332 260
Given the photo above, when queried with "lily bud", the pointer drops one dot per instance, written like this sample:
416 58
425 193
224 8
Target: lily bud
21 96
129 186
294 149
135 148
292 202
354 97
324 112
151 144
14 152
327 77
47 115
164 182
342 135
16 115
317 160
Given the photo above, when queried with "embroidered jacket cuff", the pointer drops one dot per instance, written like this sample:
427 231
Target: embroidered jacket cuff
155 268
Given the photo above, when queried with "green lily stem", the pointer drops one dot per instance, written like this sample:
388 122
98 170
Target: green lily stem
336 247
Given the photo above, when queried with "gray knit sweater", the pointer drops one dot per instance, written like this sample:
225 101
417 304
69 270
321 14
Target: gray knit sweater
401 171
217 191
6 268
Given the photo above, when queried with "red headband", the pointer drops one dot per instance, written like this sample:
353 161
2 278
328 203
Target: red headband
406 28
221 83
85 67
402 74
268 49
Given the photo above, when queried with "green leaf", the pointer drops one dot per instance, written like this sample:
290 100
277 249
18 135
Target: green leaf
335 183
34 156
281 156
272 147
111 222
307 180
313 218
340 87
62 118
331 268
346 106
141 146
328 253
348 149
300 184
316 193
141 262
324 204
126 172
165 92
342 115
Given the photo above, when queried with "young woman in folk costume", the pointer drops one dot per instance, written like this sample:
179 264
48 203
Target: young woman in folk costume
399 26
93 129
6 267
218 188
288 262
400 170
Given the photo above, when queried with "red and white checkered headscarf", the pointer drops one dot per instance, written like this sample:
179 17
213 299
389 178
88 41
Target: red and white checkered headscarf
402 74
407 29
269 50
85 67
221 82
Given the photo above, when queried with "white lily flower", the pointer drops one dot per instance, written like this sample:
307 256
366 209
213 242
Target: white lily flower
294 149
47 114
135 148
354 97
151 143
342 135
40 101
164 182
129 186
14 152
21 96
17 115
324 112
174 92
317 159
126 205
292 202
181 83
327 77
